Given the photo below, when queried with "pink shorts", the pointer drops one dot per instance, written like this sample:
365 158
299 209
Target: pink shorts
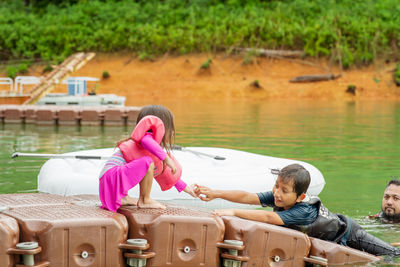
115 183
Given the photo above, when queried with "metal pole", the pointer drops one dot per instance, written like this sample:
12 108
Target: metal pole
181 148
60 156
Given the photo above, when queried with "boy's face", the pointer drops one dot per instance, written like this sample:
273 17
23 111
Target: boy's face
284 194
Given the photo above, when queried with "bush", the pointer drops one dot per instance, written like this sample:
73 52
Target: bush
397 75
256 84
351 89
47 68
22 68
206 64
12 72
105 75
352 32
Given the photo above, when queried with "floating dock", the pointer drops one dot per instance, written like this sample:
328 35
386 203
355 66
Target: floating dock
71 64
51 230
69 115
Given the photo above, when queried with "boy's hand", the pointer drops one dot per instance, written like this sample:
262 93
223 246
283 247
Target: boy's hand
204 193
190 190
168 161
226 212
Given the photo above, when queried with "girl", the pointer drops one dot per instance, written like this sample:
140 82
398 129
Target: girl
140 158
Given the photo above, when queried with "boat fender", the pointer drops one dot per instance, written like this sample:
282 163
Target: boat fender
167 179
147 123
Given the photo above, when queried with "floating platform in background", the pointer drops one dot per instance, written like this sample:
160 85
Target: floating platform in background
73 231
59 99
43 84
69 115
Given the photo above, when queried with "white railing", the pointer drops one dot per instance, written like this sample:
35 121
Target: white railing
7 81
78 82
21 80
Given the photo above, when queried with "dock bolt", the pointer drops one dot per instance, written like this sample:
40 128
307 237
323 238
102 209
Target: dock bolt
137 262
234 252
28 259
277 258
84 254
186 249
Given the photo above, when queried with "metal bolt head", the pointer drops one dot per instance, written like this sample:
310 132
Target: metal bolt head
27 245
137 242
84 254
186 249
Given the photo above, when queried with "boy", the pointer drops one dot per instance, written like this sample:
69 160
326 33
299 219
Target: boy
293 209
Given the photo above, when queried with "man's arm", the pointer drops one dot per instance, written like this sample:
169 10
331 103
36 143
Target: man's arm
255 215
237 196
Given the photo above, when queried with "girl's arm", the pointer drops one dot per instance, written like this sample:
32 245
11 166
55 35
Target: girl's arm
153 147
182 186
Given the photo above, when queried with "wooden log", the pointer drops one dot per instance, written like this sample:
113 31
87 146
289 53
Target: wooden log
315 78
274 53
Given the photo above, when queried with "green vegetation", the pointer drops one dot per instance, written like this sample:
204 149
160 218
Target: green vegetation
350 31
249 57
47 68
256 84
12 72
397 75
351 89
206 64
106 74
19 69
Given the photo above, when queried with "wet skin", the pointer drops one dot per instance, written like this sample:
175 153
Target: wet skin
391 201
284 194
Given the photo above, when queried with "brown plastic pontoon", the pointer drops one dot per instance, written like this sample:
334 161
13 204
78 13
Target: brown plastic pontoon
50 230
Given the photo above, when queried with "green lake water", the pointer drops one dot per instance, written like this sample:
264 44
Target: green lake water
356 145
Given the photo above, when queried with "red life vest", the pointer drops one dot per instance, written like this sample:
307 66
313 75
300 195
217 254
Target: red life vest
132 150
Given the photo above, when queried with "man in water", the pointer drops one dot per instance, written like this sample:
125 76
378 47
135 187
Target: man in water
391 203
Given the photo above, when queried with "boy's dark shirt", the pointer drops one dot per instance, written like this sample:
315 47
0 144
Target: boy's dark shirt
300 214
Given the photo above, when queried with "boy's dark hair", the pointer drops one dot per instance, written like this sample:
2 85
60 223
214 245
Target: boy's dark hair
296 173
393 181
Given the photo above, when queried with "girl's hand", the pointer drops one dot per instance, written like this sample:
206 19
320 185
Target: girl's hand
226 212
168 161
204 193
190 190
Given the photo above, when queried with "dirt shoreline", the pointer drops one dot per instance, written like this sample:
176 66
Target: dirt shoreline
172 77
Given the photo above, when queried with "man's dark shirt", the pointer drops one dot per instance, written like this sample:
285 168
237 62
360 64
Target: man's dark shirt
300 214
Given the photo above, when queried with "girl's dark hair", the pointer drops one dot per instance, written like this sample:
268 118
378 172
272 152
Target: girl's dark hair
167 118
296 173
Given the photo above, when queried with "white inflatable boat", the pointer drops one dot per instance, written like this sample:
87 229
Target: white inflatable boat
217 168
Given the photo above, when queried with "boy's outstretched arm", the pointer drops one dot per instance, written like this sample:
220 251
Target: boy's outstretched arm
255 215
207 194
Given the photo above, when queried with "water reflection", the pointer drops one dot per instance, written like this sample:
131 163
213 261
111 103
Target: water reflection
356 145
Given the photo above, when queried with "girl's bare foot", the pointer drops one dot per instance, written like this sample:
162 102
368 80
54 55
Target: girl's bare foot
128 201
150 204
